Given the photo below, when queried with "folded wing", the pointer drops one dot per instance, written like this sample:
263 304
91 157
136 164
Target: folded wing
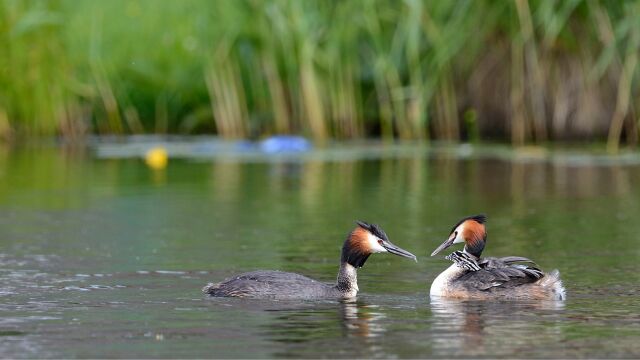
501 273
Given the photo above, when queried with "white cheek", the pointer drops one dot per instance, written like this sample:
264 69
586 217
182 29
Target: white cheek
459 238
373 244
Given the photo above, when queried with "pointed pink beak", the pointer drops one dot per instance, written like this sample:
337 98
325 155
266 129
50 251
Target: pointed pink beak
445 244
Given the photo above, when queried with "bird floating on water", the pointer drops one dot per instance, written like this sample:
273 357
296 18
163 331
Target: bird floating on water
475 277
364 240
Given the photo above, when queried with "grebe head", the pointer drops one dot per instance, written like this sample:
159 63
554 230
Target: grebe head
470 231
367 239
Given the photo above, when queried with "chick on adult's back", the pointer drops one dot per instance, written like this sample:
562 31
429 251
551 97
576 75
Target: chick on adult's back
364 240
475 277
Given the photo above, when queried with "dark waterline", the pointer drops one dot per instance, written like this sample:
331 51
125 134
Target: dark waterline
106 257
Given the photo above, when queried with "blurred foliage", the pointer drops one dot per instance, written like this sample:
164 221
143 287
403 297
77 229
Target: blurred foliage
527 71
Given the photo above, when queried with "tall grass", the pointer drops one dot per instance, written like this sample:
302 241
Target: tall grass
520 71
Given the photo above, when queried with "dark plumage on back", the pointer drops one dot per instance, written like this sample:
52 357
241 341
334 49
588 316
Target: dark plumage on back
267 284
494 272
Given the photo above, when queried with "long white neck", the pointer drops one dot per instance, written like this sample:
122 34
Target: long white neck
441 284
347 281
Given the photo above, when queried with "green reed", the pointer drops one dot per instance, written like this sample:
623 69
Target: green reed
528 71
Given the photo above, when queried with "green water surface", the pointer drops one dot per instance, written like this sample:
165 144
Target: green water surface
105 257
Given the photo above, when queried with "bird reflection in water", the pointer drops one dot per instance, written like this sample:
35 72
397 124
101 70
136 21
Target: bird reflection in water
361 320
296 326
302 322
473 328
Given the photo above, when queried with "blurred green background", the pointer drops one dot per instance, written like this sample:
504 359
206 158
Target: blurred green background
514 71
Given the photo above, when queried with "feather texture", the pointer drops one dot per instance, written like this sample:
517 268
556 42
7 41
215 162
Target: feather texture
507 272
268 284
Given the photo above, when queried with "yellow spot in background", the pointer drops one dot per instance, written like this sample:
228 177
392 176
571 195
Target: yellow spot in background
156 158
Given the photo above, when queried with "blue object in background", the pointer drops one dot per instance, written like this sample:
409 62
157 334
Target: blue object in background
285 144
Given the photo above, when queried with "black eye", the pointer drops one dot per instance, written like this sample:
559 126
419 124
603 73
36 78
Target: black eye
380 241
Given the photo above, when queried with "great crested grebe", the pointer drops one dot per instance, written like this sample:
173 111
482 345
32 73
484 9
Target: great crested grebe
364 240
473 277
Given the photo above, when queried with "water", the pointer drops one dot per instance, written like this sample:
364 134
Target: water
105 257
